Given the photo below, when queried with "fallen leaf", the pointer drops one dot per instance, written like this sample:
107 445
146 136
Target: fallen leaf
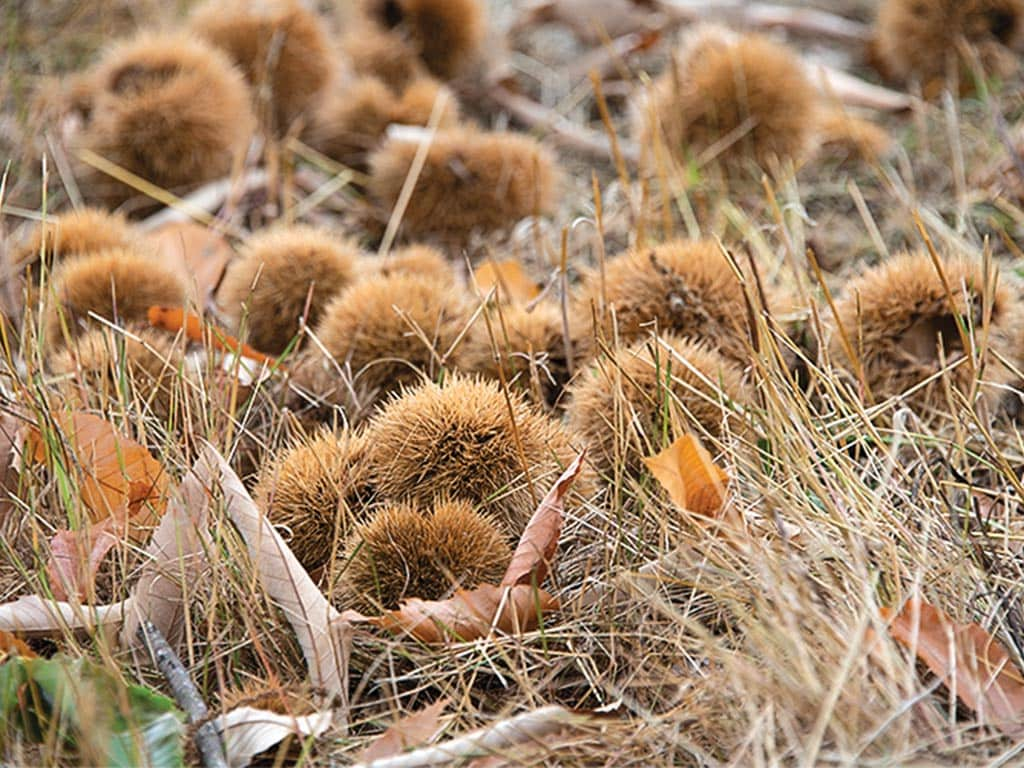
176 557
118 478
694 482
76 556
501 737
469 614
968 659
201 253
34 616
247 731
11 437
537 545
11 644
174 319
323 634
510 279
409 731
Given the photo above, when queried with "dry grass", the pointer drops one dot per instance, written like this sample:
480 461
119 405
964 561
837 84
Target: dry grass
695 642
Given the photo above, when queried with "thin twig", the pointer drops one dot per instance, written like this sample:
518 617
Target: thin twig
207 737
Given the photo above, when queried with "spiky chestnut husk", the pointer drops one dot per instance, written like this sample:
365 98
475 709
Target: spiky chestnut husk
532 350
384 54
625 406
405 552
915 39
683 286
281 47
471 180
417 260
74 233
894 316
448 35
461 440
371 328
354 118
168 108
119 285
266 289
748 86
317 491
94 367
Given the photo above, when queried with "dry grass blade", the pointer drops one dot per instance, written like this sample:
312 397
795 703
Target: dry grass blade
529 727
971 662
322 634
537 545
409 731
247 731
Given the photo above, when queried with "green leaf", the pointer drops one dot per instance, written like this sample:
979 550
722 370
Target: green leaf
85 705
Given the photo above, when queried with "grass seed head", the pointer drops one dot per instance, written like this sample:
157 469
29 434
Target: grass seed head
633 404
404 551
282 47
270 283
317 490
168 108
459 441
471 180
119 285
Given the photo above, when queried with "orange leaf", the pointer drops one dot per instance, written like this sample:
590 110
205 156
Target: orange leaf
509 277
968 659
11 644
118 476
539 541
470 614
76 556
201 253
693 481
409 731
174 319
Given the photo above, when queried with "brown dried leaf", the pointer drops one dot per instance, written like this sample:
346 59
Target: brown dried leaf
119 478
76 556
512 282
200 253
409 731
470 614
10 645
537 545
694 482
968 659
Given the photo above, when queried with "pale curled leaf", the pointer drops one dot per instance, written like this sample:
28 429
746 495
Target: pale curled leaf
967 659
537 545
35 616
409 731
470 614
323 635
529 727
247 731
76 557
176 559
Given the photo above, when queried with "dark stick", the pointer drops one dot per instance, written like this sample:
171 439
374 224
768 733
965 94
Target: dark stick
185 693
